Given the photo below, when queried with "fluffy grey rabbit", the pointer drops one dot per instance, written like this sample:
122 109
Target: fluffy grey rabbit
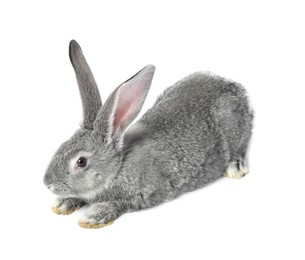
197 131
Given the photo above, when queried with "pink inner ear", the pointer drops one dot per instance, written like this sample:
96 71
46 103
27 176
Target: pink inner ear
128 98
122 114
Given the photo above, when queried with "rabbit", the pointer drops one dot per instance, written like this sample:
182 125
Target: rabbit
196 132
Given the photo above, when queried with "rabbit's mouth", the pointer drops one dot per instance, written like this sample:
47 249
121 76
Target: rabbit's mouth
51 187
59 191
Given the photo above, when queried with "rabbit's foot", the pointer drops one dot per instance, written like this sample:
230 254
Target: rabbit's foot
99 215
236 170
66 206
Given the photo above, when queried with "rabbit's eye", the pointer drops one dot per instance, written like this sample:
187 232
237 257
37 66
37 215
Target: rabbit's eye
81 162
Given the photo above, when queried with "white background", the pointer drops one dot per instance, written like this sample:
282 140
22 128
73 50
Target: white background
257 43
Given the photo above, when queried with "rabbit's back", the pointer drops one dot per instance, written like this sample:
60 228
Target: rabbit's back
199 103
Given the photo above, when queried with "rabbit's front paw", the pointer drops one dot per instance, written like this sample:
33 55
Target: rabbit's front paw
99 215
66 206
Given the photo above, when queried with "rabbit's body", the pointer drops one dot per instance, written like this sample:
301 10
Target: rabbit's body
188 138
197 130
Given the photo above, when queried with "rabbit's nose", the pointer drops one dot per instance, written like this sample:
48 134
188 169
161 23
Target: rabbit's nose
48 180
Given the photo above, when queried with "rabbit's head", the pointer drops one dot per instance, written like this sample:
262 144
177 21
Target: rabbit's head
84 165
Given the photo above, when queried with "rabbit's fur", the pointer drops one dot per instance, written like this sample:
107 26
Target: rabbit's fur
197 131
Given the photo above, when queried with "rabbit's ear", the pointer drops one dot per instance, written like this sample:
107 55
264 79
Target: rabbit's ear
122 107
89 93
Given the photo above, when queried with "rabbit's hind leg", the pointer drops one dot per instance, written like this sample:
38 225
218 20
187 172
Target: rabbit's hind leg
236 169
238 166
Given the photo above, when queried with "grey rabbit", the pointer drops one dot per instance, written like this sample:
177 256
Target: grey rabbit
197 131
